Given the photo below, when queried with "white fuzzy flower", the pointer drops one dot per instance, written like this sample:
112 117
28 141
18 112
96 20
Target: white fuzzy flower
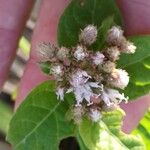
127 47
114 35
82 88
119 78
79 78
112 97
60 93
98 58
57 71
95 115
88 35
130 48
79 53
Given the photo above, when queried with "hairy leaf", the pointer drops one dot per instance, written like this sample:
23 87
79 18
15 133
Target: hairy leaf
107 135
39 123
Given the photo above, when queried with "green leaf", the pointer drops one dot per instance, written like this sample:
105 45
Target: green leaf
143 129
107 134
138 67
81 143
80 13
5 116
40 123
102 32
45 67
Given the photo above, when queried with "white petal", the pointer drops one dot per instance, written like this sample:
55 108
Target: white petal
60 93
95 115
69 90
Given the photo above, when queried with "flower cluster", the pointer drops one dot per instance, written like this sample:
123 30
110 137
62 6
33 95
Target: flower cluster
91 76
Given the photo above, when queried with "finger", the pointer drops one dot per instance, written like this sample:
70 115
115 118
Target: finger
136 15
13 15
134 112
45 31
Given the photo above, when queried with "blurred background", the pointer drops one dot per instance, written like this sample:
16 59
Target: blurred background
9 92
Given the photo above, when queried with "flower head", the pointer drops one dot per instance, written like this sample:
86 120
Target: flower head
108 66
56 71
114 35
98 58
88 35
62 53
119 78
127 47
89 75
113 53
82 88
46 52
80 53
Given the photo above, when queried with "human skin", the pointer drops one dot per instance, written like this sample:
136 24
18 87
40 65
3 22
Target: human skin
136 15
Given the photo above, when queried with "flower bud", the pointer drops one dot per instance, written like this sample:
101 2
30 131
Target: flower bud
127 47
56 71
113 53
114 36
98 58
119 78
88 35
108 66
62 53
46 52
80 53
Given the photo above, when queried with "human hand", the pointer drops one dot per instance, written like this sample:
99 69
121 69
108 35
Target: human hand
136 15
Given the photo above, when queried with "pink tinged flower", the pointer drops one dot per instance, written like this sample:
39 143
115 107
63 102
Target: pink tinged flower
95 115
79 78
119 78
88 35
98 58
79 53
82 88
60 93
112 97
